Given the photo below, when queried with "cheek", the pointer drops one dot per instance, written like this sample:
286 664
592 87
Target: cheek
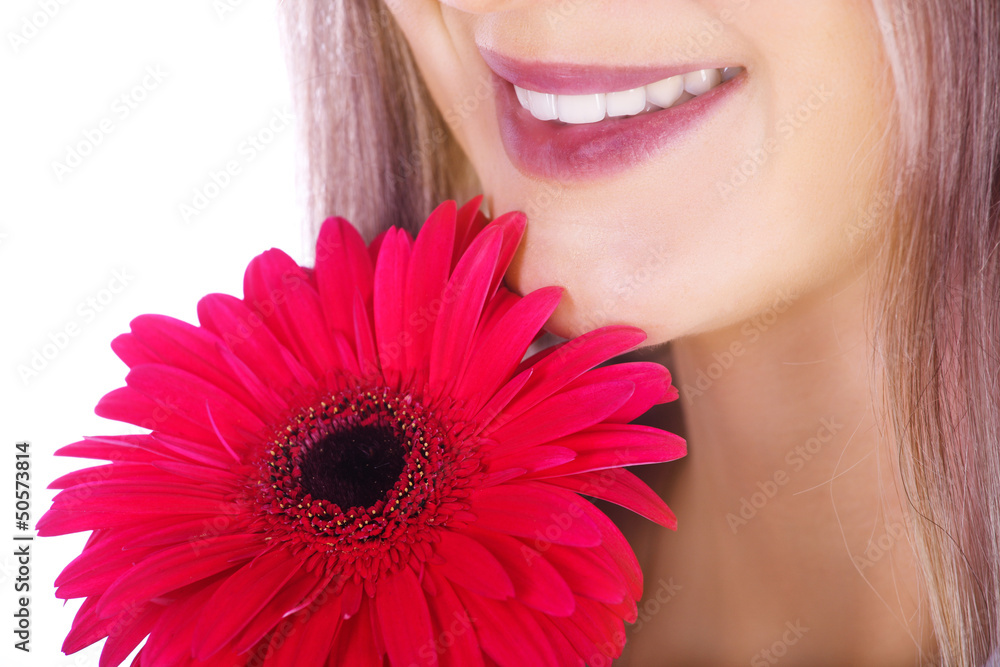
618 269
710 234
676 263
668 287
463 89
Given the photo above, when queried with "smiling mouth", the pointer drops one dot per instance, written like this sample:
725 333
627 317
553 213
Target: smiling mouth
572 122
595 107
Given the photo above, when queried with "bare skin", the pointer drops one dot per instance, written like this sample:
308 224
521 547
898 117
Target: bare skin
791 546
791 542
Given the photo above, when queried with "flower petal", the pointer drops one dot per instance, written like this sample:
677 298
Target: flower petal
569 651
455 638
599 624
404 619
123 639
239 599
170 641
427 276
392 339
343 266
309 636
605 446
618 548
533 459
279 291
464 298
178 391
355 643
188 348
622 488
288 597
558 365
652 386
111 448
506 342
62 522
469 221
365 339
536 583
178 566
508 632
559 415
468 563
125 404
511 226
88 627
492 410
537 511
587 573
243 331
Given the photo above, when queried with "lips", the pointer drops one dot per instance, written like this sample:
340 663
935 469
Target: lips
571 152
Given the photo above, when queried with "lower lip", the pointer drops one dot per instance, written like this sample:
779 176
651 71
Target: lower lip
570 152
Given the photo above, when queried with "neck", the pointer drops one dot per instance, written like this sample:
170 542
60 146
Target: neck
782 400
791 527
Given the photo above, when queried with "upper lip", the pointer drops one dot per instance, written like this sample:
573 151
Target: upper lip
575 79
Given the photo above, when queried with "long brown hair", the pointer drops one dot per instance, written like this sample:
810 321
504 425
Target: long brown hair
375 148
939 334
378 152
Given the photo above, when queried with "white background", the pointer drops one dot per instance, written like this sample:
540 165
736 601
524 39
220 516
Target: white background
222 80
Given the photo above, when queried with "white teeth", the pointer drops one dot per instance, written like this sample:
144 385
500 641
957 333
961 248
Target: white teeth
581 108
542 105
593 107
701 81
664 93
626 102
522 96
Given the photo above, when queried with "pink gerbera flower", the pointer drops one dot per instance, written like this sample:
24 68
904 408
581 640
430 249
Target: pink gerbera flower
352 465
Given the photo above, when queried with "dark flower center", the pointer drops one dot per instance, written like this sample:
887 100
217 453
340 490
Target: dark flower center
366 476
353 466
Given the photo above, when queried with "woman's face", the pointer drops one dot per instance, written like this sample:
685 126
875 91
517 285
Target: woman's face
684 219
